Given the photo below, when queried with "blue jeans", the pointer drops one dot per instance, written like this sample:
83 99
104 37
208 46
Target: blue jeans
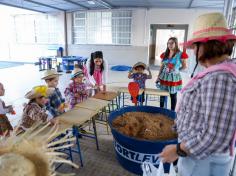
214 165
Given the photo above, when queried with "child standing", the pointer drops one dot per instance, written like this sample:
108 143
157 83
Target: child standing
35 110
76 91
5 125
56 104
96 71
138 75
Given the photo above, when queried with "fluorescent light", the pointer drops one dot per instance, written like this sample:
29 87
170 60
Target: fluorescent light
91 2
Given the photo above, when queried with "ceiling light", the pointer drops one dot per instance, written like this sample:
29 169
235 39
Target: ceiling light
91 2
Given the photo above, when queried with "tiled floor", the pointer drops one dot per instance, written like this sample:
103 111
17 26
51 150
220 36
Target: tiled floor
19 80
97 163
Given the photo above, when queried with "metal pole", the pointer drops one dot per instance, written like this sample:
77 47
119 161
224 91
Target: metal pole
65 34
228 8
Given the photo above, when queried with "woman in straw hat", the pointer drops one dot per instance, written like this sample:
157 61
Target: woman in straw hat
206 117
35 110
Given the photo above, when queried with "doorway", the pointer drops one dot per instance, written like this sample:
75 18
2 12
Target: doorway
160 33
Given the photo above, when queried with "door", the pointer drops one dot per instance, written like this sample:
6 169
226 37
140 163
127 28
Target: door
160 33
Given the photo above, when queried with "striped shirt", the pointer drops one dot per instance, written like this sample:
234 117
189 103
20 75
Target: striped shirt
206 120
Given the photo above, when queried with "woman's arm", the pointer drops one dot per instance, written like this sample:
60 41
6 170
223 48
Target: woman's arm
183 60
184 64
149 76
161 68
90 77
105 72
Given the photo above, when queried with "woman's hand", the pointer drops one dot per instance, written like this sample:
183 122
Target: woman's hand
157 80
169 154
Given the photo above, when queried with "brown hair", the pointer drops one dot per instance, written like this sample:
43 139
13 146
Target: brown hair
96 54
49 79
139 66
167 52
215 48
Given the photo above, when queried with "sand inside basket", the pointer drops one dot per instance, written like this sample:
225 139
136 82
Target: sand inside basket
144 125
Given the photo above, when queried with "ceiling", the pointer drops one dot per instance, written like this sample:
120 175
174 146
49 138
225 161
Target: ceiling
47 6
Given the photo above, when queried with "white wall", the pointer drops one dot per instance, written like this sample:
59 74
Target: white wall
24 52
142 19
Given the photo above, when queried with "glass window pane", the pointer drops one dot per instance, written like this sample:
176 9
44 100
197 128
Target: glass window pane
110 27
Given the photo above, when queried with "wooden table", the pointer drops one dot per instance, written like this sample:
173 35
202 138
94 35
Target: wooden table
92 104
124 90
77 116
157 92
108 96
148 91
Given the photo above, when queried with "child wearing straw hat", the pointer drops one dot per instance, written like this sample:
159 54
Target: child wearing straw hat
56 104
34 110
138 75
5 125
76 91
206 114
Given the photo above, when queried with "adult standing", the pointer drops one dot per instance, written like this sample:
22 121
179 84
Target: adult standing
169 78
206 117
97 70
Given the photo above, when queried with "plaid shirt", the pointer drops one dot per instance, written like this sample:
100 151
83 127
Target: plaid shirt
76 88
206 120
55 100
32 113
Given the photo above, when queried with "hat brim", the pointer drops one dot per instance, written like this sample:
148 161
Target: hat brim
51 76
32 95
189 44
140 65
77 74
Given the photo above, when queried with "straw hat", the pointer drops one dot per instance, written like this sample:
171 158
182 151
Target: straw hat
31 154
39 91
76 72
211 26
48 74
140 64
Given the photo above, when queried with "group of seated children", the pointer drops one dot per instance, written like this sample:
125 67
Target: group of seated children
45 102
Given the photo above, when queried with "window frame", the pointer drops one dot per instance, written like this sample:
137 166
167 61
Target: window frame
112 18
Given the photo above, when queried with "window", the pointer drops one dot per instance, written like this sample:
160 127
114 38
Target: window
41 29
24 29
102 27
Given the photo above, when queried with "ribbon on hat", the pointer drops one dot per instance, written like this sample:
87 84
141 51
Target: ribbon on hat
41 90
